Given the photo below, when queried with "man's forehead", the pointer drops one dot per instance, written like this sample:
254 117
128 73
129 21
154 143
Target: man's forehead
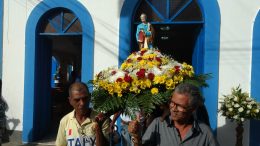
79 94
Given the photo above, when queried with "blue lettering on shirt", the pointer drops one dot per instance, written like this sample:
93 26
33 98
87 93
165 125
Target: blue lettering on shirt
70 141
78 142
81 141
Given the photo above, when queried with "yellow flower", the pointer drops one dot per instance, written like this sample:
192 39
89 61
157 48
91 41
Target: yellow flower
124 65
129 65
178 78
164 60
159 79
124 85
135 83
117 88
156 80
162 79
134 89
131 56
144 49
109 87
142 84
154 90
150 64
119 94
169 82
142 63
148 83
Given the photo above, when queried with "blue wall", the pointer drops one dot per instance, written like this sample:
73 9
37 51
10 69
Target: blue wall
209 41
255 77
29 123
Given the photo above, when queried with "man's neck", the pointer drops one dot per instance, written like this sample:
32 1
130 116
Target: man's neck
183 127
82 116
183 124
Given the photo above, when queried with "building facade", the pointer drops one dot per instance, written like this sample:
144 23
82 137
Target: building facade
43 41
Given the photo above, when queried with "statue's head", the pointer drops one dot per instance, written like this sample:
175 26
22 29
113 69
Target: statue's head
143 17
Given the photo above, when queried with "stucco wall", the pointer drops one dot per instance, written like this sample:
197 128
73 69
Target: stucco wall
105 16
15 16
237 19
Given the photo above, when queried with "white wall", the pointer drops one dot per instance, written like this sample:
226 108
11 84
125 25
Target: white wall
105 15
15 16
237 19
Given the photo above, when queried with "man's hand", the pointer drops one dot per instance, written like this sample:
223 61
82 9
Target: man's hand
100 118
133 128
95 127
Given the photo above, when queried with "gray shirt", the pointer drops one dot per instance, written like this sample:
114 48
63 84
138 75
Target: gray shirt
165 134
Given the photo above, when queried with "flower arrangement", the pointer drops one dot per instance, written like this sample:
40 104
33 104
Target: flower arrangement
144 80
239 106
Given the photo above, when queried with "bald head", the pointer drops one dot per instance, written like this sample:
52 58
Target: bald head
78 87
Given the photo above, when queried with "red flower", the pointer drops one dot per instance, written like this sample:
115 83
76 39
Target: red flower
177 68
150 76
158 59
141 73
139 58
128 78
150 58
113 72
142 52
99 74
119 80
129 60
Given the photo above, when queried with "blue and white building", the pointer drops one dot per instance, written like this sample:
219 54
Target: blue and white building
39 38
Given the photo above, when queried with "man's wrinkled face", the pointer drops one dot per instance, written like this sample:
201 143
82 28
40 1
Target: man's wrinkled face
179 107
79 100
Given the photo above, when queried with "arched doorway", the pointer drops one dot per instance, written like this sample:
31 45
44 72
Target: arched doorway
43 40
176 25
59 37
205 55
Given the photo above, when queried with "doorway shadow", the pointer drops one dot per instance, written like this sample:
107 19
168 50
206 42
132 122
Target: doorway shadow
226 134
7 126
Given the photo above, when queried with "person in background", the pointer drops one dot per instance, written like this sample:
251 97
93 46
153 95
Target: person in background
180 127
144 33
82 126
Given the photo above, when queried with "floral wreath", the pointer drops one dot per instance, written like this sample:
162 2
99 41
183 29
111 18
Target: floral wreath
145 80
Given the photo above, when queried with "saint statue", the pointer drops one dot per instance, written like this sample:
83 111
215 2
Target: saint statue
144 33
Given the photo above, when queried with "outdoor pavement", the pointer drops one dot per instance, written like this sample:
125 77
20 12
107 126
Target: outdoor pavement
15 139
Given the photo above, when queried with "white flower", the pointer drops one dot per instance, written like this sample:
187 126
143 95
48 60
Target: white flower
241 109
156 71
230 109
249 106
242 119
256 110
236 98
117 74
248 111
228 105
235 117
236 105
252 102
248 99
